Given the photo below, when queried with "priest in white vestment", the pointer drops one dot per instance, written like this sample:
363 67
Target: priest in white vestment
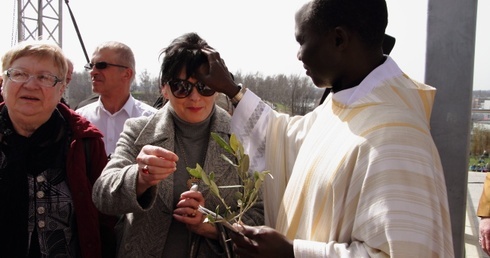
360 176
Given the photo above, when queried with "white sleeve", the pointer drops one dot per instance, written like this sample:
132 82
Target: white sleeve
313 249
272 141
249 123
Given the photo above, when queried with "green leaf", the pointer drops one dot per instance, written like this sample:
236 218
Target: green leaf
205 178
221 142
244 165
240 151
223 156
238 195
234 143
210 218
258 184
195 172
217 209
249 185
246 194
214 188
230 216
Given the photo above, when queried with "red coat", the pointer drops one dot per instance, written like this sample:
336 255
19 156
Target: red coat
95 230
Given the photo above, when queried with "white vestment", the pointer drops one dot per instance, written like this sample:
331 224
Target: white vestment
360 176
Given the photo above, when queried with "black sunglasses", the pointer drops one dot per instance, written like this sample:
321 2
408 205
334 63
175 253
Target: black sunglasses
101 65
183 88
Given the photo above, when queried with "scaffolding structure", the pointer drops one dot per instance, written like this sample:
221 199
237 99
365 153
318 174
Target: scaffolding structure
40 19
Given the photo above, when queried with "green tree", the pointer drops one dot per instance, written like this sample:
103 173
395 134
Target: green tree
149 88
480 140
79 88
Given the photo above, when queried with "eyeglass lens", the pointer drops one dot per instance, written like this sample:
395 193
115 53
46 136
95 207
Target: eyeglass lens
183 88
46 80
101 65
98 65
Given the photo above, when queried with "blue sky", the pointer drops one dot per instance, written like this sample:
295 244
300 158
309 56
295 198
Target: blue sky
252 36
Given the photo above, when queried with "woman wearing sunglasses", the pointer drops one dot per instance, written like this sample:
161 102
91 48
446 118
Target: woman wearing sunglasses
146 179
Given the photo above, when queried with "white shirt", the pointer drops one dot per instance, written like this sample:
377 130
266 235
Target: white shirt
111 125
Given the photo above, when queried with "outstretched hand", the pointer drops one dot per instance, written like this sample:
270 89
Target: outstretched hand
154 165
485 235
261 241
216 75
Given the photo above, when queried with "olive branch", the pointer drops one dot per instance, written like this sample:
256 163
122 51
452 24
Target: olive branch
247 193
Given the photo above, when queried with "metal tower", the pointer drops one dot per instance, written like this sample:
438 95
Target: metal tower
40 19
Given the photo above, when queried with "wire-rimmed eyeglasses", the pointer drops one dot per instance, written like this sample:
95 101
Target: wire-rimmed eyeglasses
44 79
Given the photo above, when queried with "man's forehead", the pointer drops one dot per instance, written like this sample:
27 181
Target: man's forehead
106 53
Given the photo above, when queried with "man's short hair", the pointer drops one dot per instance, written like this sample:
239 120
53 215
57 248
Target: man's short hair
368 18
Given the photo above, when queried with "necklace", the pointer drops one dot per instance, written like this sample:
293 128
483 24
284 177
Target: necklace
192 180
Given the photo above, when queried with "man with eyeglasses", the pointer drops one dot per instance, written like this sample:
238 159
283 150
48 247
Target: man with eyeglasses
112 70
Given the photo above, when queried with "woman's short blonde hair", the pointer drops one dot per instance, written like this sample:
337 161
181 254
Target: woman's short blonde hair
41 50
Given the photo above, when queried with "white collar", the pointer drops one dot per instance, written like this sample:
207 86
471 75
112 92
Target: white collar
387 70
128 106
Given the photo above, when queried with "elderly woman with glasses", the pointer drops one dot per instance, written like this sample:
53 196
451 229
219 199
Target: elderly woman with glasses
50 158
146 178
